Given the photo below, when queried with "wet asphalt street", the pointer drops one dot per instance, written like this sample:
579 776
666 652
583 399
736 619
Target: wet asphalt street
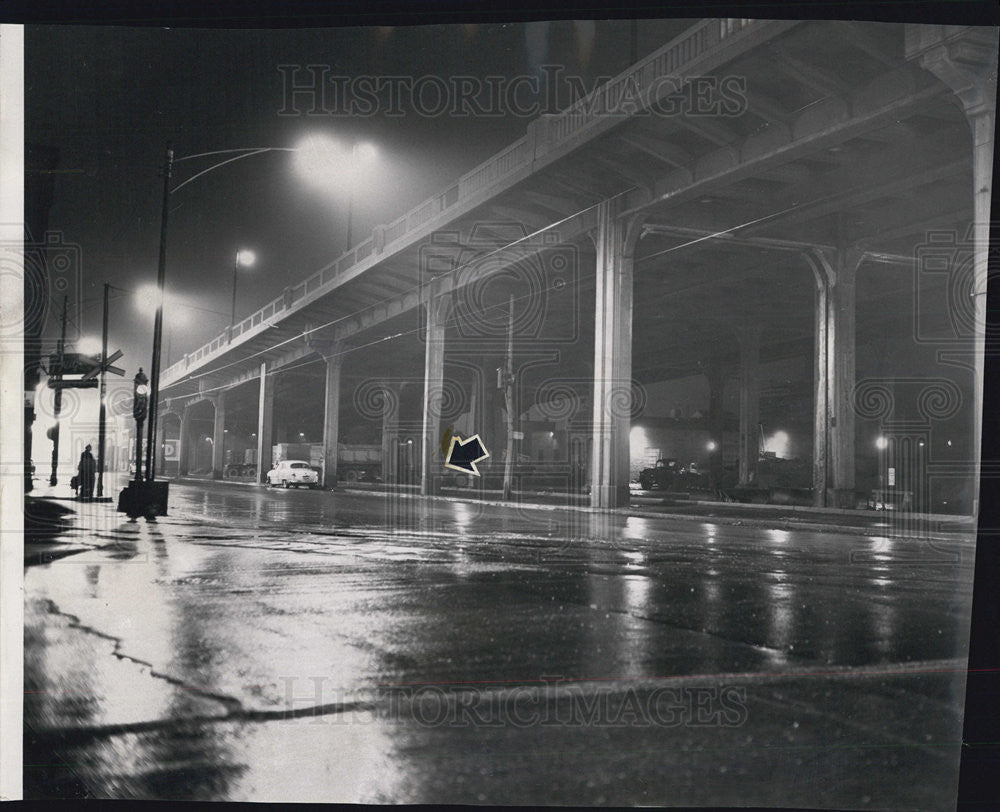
310 646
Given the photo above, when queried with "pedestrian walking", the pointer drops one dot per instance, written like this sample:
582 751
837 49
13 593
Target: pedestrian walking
87 472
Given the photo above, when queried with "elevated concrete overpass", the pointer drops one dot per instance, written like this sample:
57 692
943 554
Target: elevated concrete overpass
752 191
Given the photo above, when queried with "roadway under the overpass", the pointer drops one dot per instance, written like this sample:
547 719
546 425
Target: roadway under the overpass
817 252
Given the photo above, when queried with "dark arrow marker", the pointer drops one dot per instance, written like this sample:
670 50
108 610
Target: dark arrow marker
463 456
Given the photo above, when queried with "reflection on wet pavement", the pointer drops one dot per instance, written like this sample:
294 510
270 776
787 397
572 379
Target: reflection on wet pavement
245 604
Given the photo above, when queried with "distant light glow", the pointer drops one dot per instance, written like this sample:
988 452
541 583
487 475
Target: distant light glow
365 152
712 445
147 298
89 345
330 164
779 443
881 442
245 258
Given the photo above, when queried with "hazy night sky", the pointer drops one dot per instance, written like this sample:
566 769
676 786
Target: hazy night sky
109 99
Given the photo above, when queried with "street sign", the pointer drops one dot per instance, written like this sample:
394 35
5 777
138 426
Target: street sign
73 363
95 371
76 384
170 450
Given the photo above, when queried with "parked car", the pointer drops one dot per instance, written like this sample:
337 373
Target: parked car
292 472
659 476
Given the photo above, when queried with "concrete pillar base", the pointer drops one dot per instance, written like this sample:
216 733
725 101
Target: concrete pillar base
609 496
841 498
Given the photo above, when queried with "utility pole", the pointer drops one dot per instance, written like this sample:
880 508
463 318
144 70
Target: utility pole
154 372
508 387
57 405
103 412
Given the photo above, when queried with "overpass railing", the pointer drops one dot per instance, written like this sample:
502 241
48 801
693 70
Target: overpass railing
545 135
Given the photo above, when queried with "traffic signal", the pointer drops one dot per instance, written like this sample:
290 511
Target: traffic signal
140 396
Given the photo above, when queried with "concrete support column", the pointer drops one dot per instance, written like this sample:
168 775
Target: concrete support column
748 337
965 59
437 309
717 374
184 442
331 418
219 437
983 123
821 388
834 376
390 434
841 340
614 240
265 423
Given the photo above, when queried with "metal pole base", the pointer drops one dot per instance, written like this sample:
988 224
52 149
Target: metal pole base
147 499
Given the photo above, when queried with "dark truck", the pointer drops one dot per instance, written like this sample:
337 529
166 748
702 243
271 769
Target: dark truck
660 476
778 482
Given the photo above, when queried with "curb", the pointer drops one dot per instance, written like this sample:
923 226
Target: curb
774 524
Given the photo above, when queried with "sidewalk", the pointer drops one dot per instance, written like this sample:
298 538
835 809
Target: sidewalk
47 523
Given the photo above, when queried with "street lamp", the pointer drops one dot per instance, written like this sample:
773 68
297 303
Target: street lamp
316 152
89 345
244 258
329 164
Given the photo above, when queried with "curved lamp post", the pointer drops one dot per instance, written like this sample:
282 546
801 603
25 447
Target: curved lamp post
321 159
